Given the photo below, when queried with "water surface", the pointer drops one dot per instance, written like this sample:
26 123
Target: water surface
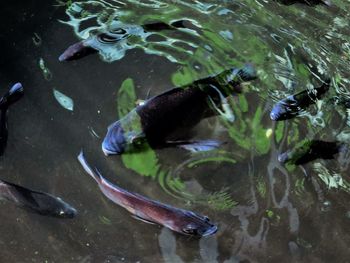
267 212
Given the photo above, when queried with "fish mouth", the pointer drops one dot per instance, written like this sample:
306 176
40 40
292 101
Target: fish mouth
210 231
282 157
107 151
71 213
114 142
274 115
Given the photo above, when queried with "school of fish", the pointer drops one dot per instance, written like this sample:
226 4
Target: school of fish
165 121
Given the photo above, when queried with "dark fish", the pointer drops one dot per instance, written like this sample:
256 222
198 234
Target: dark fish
38 202
85 48
13 95
311 150
76 51
292 105
307 2
150 211
174 111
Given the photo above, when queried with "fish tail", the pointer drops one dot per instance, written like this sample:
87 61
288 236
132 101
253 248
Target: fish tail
93 173
247 73
13 95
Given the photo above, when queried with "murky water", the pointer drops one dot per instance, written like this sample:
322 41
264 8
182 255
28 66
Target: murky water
266 212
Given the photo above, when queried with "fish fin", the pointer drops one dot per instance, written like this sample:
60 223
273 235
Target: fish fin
226 112
143 220
13 95
196 146
94 173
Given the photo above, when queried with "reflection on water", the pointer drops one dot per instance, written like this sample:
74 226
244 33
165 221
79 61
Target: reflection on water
267 211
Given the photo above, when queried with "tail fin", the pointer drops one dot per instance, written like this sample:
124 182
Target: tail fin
94 174
13 95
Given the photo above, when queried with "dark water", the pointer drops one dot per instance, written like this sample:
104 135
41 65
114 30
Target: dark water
266 212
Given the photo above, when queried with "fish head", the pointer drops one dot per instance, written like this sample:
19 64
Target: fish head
76 51
197 225
114 141
125 134
284 110
50 205
300 154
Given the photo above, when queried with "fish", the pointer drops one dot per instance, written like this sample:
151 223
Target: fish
34 201
306 2
150 211
173 113
311 150
84 48
10 97
77 51
291 106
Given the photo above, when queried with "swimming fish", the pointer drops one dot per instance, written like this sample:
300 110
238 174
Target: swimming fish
77 51
38 202
162 118
311 150
150 211
10 97
307 2
85 47
294 104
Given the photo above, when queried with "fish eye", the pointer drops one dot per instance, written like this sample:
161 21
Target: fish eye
106 38
206 219
190 231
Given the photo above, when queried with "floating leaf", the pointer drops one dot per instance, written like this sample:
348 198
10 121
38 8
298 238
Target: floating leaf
63 100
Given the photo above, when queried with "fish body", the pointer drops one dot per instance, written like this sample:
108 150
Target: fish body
173 112
312 150
292 105
307 2
38 202
179 220
10 97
